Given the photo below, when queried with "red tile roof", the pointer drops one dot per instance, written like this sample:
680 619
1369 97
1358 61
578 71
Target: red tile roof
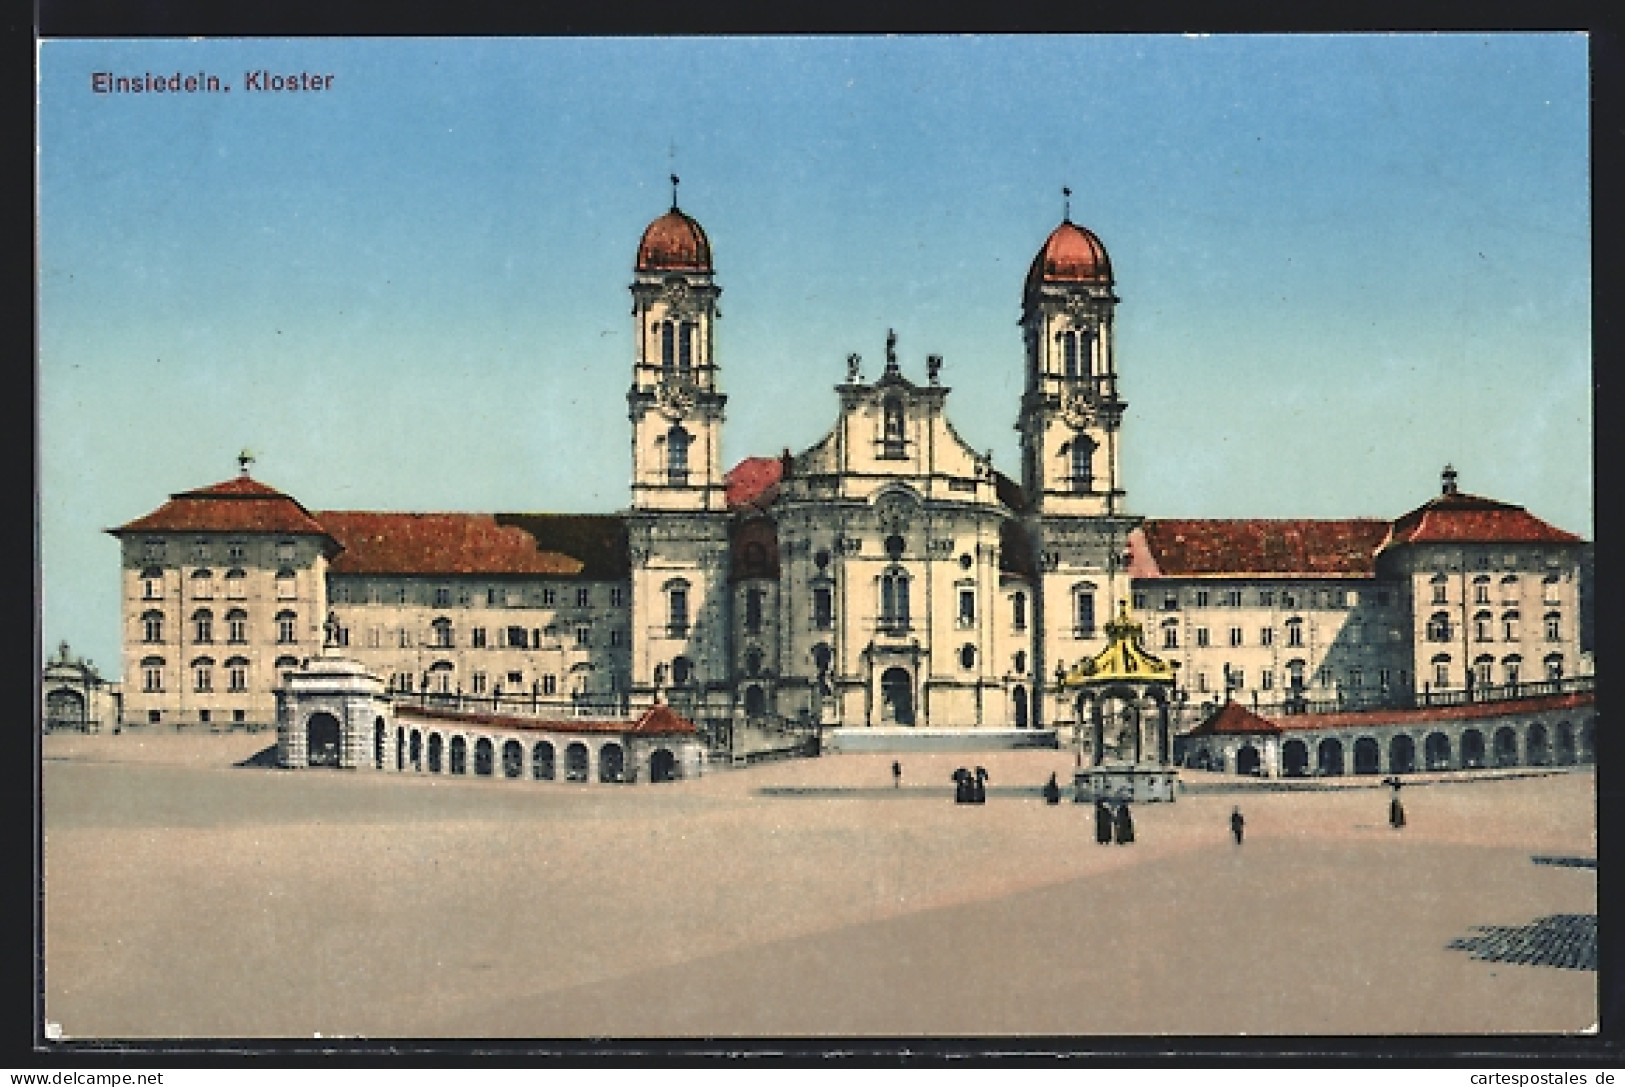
1235 719
597 539
1467 518
1185 548
438 543
674 242
1471 711
658 720
754 481
242 504
1071 254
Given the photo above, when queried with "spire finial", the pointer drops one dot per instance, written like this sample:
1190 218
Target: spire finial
1066 204
891 351
1448 479
244 459
673 192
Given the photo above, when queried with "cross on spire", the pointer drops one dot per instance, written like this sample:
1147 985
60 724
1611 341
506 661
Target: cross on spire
673 192
1066 204
244 459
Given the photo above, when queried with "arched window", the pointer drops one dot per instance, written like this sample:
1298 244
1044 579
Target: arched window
1170 634
1083 611
1294 631
1511 669
1509 589
1481 589
202 585
892 437
1069 354
236 585
203 674
967 656
685 348
236 626
237 674
1018 611
1083 464
677 608
203 625
1294 669
1440 585
894 599
677 443
287 627
442 633
152 583
754 599
1550 589
1020 662
823 609
1509 626
1439 627
287 585
152 626
152 674
1554 667
1554 626
1441 670
1483 627
1482 667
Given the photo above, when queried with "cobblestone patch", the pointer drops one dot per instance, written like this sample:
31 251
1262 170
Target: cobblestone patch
1565 940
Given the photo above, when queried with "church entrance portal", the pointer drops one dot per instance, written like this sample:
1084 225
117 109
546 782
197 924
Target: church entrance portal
896 697
322 739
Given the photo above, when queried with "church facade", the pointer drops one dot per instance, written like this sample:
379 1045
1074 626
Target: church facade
889 575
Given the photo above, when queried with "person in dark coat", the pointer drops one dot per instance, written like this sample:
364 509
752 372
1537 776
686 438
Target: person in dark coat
1052 791
979 789
1123 827
1236 824
1396 810
1103 822
896 775
962 786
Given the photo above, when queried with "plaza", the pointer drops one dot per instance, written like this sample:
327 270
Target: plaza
189 896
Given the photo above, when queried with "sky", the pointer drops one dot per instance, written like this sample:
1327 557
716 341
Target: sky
1343 262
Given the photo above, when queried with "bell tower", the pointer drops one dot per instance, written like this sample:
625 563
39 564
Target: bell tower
1071 417
675 407
1070 411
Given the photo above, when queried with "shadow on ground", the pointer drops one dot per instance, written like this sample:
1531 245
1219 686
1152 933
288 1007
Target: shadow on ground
264 758
1566 940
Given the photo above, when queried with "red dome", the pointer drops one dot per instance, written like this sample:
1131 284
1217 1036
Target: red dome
1071 255
674 243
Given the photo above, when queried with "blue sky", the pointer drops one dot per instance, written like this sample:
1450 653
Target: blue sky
1343 260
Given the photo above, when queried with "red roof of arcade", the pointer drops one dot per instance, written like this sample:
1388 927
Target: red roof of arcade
1234 719
1183 548
241 504
658 720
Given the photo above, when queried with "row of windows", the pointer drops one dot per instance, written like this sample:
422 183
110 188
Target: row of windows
1551 593
1265 598
203 673
203 626
203 550
445 596
1482 673
1441 629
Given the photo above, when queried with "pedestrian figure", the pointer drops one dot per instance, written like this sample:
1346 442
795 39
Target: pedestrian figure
962 786
1103 823
979 788
1052 791
1236 823
1124 828
896 775
1396 810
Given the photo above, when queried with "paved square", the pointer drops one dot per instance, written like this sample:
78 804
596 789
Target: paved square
189 898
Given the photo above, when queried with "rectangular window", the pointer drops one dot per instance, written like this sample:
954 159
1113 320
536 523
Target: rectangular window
1266 636
236 551
1441 674
1356 678
406 638
615 639
1201 681
677 607
1234 678
1232 598
204 677
479 682
1083 619
237 677
1289 599
1201 637
1323 677
753 610
549 597
442 596
285 629
152 588
823 607
477 637
1170 601
583 637
1266 598
490 598
516 679
1554 628
583 597
1201 598
967 607
375 637
1170 637
518 638
1266 680
617 597
1235 636
204 716
1385 678
152 678
1139 601
550 684
236 629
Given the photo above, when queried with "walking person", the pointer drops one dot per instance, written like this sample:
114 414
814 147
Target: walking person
896 774
979 788
1396 810
1237 823
1103 823
1052 791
